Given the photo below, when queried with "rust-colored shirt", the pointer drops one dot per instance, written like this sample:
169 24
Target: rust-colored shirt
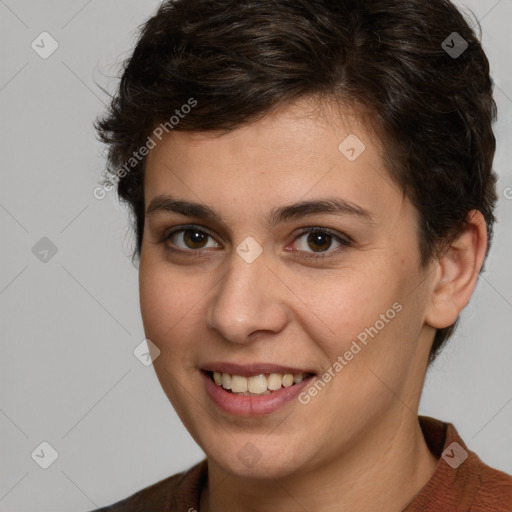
461 482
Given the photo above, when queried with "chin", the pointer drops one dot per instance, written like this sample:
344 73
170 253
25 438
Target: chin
256 460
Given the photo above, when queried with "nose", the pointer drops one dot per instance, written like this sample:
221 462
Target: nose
248 301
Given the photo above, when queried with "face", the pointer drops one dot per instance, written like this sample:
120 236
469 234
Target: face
245 270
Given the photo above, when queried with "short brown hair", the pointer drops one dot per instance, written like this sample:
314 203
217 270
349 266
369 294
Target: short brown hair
239 59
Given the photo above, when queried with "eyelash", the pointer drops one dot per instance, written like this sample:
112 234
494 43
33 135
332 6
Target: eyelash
344 241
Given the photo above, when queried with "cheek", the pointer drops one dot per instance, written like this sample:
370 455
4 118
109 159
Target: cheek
167 300
365 318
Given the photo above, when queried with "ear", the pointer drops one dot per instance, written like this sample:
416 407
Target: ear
457 273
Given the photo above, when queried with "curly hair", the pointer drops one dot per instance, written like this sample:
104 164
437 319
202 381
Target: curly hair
239 59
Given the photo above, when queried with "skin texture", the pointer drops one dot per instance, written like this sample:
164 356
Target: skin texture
357 444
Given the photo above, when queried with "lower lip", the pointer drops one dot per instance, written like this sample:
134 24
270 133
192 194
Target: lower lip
252 405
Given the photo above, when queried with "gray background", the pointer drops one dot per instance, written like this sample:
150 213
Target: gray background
69 325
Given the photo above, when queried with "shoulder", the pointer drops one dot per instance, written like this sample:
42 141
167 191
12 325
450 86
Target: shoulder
152 497
484 487
461 481
159 496
494 488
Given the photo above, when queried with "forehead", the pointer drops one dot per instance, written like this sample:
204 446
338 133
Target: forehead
295 153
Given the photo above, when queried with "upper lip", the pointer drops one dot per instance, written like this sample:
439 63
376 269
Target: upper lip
248 370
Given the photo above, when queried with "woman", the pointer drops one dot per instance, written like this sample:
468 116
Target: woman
313 198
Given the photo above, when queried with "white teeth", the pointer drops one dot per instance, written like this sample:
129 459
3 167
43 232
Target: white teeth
226 381
275 381
287 380
257 384
238 383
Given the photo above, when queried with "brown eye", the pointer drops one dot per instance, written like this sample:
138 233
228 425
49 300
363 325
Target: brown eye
316 241
194 239
319 241
191 238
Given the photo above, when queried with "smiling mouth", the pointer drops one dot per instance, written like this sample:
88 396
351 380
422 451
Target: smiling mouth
256 385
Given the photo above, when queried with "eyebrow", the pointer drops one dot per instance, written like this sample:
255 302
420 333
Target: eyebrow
336 205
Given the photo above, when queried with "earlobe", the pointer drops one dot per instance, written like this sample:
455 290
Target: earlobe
457 273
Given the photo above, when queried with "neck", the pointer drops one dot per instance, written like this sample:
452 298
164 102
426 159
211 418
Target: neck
384 471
